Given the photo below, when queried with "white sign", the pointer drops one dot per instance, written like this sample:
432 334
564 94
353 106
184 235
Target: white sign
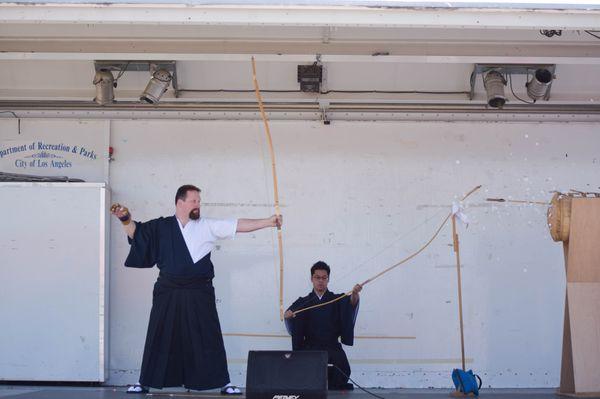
73 148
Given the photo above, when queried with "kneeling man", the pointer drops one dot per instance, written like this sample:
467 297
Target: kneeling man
322 328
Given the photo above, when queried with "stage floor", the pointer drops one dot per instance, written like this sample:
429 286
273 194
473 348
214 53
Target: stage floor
61 392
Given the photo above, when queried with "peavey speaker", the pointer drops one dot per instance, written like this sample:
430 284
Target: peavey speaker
286 375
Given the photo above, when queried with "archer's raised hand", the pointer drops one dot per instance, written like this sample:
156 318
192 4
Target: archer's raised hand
276 221
121 212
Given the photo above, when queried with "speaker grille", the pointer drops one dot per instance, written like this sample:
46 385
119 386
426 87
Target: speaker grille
286 375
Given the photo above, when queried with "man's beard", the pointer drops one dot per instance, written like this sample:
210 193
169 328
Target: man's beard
195 214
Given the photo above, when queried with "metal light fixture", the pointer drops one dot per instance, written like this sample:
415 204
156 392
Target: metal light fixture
104 82
539 85
495 76
494 83
157 86
164 73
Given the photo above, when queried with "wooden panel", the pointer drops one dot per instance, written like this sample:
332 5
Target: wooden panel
584 241
583 300
567 380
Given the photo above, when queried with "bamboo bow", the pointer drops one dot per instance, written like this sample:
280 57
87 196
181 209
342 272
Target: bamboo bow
275 190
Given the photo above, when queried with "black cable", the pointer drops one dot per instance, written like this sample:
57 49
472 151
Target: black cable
513 92
122 71
589 32
327 91
393 92
365 390
9 112
551 32
15 115
236 91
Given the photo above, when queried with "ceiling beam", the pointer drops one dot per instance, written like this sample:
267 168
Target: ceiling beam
333 16
405 59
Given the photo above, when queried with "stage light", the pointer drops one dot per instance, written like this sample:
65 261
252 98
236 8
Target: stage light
157 86
539 84
104 82
494 83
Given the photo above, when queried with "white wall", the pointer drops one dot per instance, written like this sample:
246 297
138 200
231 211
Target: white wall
361 196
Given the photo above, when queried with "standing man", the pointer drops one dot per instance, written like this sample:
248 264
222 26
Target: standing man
184 345
322 328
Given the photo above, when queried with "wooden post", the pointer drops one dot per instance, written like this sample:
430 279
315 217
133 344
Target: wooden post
460 307
580 368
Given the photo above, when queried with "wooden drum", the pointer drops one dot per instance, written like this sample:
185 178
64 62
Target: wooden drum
559 217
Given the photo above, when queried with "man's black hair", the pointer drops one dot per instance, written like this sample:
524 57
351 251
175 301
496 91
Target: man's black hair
320 265
183 190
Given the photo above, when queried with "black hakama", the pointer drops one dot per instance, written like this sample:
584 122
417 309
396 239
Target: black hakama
322 329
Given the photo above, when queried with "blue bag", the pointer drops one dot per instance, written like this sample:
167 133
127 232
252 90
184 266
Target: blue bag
466 382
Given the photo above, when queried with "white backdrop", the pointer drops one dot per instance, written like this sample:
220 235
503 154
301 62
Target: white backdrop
54 266
361 196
